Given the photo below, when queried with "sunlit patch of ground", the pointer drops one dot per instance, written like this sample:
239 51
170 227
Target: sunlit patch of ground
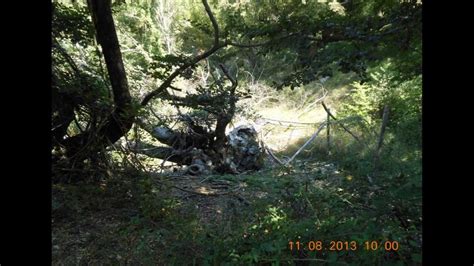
276 128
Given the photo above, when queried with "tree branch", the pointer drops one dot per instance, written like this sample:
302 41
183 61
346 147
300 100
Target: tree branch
216 46
213 21
232 80
251 45
191 62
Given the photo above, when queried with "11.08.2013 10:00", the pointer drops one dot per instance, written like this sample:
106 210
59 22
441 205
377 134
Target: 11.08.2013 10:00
344 245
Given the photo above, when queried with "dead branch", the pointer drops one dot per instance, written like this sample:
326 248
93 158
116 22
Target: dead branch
273 155
325 93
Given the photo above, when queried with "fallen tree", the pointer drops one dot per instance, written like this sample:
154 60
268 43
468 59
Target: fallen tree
240 150
202 143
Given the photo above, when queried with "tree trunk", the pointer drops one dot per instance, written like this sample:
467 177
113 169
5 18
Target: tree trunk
121 119
386 111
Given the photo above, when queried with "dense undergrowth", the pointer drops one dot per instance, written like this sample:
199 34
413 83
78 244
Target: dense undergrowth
131 219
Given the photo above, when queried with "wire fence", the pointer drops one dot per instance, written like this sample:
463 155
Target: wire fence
284 125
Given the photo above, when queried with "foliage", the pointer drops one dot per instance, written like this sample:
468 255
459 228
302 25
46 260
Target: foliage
72 23
371 52
403 97
349 37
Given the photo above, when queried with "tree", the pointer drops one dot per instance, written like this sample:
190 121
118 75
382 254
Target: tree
103 131
312 38
120 120
317 38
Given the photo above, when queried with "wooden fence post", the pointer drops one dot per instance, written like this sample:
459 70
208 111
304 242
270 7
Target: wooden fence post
328 130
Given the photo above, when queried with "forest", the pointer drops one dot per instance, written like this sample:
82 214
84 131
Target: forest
236 132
